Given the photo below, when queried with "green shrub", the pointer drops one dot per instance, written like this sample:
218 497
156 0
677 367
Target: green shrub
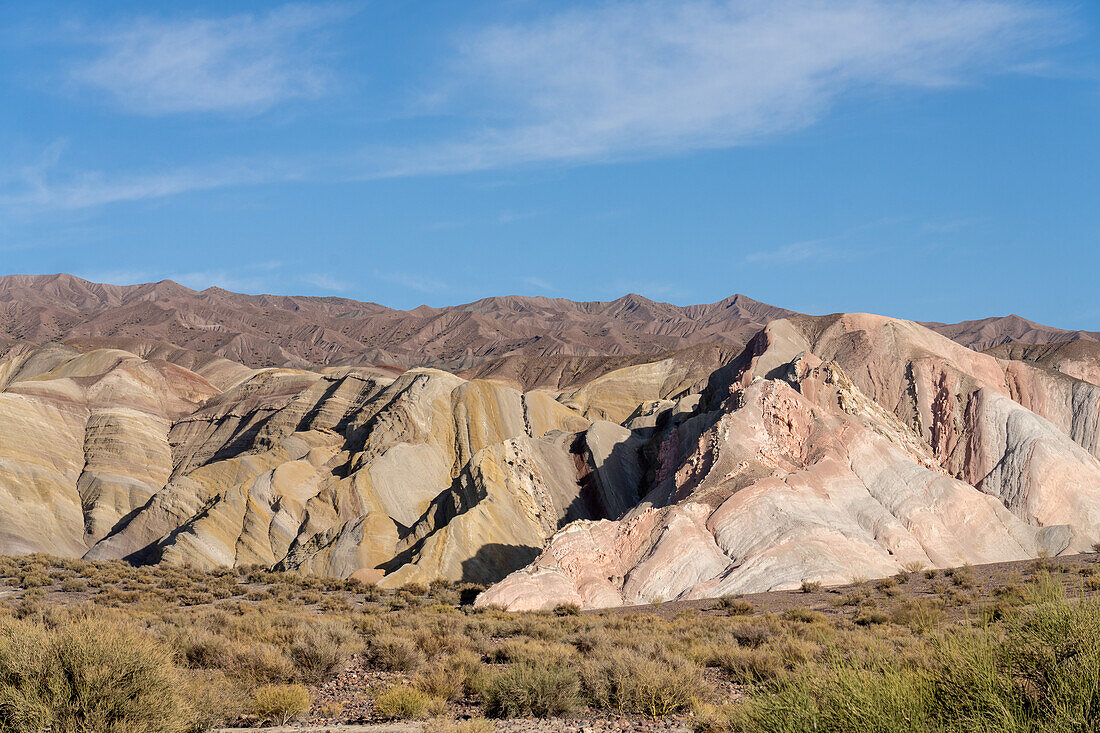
451 677
394 654
402 703
839 699
86 676
735 606
870 617
803 615
1039 670
749 665
322 651
530 689
280 703
810 586
72 585
631 682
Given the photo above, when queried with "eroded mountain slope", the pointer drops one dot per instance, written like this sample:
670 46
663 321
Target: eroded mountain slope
836 447
426 475
828 447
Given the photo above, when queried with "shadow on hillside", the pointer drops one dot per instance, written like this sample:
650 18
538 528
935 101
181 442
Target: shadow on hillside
495 560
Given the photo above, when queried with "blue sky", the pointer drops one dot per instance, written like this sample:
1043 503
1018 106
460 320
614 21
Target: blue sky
931 160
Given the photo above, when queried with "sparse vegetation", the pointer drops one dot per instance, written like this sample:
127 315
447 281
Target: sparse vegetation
193 650
280 704
529 688
402 702
734 606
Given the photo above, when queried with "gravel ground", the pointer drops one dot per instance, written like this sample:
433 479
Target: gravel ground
353 690
519 725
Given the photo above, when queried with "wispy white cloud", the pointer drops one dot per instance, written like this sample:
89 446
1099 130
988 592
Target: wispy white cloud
253 277
630 79
236 280
242 63
845 245
44 186
510 217
414 281
537 283
814 249
326 282
949 226
615 81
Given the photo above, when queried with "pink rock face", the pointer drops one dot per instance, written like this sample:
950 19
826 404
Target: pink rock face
847 446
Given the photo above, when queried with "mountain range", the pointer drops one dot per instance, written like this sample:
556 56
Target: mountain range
598 453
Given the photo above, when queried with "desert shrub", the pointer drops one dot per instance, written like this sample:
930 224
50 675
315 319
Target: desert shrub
567 609
335 604
72 585
35 580
735 606
402 703
587 641
322 651
393 653
710 718
870 617
451 677
842 698
1043 673
918 615
211 699
445 595
90 675
280 703
1037 671
886 584
534 651
262 663
803 615
520 689
631 682
750 635
748 665
310 597
195 597
963 576
255 661
810 586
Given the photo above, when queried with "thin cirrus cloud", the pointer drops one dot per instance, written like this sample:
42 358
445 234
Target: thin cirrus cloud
848 244
242 63
636 79
325 282
621 80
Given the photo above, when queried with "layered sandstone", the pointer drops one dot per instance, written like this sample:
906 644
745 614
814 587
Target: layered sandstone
555 452
838 447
